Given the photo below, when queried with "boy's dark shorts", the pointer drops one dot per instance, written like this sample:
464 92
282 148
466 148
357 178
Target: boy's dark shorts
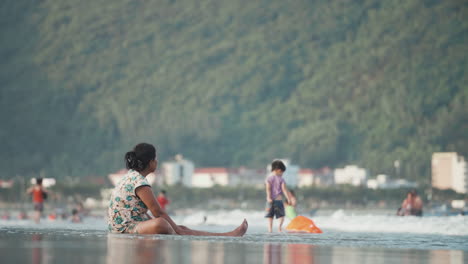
276 209
38 207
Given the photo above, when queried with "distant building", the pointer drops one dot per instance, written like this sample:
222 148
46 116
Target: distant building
208 177
115 177
6 184
179 171
46 182
382 181
291 175
449 171
323 177
247 177
306 178
351 174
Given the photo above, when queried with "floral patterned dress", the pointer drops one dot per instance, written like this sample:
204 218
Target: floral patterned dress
126 209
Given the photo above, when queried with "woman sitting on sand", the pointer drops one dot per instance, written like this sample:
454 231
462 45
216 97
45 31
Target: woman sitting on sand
132 198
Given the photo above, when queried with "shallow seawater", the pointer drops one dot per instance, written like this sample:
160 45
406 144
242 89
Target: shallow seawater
69 243
347 238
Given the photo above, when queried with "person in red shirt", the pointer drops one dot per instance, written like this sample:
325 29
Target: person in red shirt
162 199
39 194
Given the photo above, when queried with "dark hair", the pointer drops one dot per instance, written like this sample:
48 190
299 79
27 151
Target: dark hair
278 164
39 181
139 158
163 192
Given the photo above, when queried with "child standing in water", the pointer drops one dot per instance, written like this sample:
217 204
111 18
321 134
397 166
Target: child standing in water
162 199
290 208
275 188
39 194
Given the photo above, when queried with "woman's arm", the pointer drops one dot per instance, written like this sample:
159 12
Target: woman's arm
146 195
403 204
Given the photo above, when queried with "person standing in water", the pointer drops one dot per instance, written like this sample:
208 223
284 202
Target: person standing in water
417 206
290 208
39 194
412 205
132 198
275 188
162 199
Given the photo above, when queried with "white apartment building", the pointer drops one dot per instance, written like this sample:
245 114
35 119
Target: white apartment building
306 178
351 174
209 177
179 171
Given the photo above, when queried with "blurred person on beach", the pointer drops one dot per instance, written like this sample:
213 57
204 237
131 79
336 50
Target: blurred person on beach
133 197
5 216
81 210
75 217
417 206
39 195
163 200
22 215
290 206
405 208
412 205
275 189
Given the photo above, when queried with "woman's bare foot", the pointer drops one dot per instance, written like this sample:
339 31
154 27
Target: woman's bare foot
240 231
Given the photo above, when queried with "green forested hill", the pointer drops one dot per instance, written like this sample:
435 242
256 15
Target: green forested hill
229 83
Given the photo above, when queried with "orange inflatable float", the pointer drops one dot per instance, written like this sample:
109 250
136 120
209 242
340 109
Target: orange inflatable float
303 224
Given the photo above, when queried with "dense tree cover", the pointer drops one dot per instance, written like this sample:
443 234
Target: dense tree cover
230 83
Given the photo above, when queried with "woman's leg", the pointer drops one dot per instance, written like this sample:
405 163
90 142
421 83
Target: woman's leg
161 226
239 231
155 226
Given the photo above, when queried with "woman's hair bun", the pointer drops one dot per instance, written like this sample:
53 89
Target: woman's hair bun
139 158
131 160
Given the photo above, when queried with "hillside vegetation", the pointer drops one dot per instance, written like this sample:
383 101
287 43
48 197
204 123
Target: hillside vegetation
230 83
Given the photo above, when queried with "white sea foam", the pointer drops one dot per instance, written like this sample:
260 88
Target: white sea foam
340 220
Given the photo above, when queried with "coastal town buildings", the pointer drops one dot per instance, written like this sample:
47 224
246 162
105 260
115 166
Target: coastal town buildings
209 177
179 171
382 181
351 174
306 178
449 171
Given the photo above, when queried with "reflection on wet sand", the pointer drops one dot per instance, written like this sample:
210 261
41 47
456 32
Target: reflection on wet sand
289 253
36 249
446 256
272 254
301 253
123 249
24 246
